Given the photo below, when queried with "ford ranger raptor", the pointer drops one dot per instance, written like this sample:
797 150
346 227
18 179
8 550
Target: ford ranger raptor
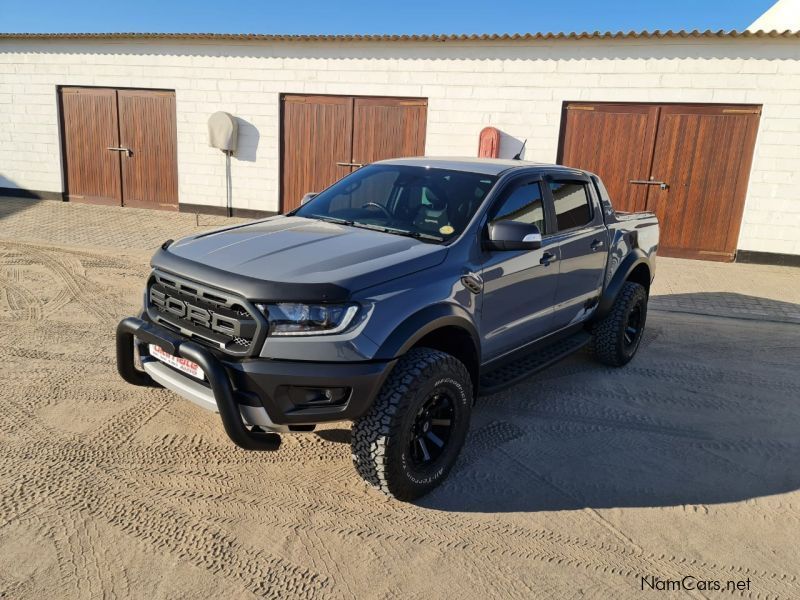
393 299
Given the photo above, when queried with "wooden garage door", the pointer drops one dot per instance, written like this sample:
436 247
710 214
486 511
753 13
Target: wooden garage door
325 138
586 142
687 163
704 155
387 128
316 137
147 126
120 147
90 126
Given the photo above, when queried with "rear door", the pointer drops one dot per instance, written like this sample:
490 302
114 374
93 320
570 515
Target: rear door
582 240
519 286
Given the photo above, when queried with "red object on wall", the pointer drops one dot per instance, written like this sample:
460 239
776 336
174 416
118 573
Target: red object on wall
489 144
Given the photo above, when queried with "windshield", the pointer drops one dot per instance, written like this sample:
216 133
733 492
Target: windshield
431 204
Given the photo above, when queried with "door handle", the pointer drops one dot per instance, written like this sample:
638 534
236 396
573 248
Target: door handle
596 245
662 184
349 164
473 282
547 258
127 151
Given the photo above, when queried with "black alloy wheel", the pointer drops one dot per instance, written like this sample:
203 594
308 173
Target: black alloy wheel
408 441
616 337
431 430
633 328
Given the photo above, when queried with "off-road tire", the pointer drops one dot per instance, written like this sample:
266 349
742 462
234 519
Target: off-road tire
609 345
381 439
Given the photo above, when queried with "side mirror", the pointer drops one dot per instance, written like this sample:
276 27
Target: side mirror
307 197
510 235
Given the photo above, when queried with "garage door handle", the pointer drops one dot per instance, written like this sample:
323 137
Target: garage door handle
662 184
127 151
348 164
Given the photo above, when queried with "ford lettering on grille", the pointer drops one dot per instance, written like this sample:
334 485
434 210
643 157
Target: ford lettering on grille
203 314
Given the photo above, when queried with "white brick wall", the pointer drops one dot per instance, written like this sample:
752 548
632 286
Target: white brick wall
517 87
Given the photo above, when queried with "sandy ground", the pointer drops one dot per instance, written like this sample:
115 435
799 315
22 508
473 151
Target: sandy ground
574 484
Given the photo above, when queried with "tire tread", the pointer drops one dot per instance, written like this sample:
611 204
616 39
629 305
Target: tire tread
374 431
606 344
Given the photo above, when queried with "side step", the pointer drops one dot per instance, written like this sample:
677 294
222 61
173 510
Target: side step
514 372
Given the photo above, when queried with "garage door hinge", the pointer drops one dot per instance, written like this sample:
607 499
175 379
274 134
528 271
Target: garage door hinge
743 111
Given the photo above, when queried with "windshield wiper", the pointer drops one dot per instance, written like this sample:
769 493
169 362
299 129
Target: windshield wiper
327 219
382 228
404 232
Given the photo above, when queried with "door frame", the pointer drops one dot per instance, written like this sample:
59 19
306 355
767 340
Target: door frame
62 142
744 169
281 133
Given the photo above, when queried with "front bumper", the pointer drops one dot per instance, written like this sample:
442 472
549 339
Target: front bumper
257 391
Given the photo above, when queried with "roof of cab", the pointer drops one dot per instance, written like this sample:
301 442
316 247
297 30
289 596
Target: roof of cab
485 166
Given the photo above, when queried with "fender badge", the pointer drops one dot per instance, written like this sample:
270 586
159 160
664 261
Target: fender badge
446 230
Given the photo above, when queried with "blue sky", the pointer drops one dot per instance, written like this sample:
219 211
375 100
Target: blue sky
360 16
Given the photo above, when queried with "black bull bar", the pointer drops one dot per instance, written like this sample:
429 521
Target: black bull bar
131 327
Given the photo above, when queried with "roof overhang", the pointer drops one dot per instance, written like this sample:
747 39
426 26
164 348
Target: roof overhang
488 37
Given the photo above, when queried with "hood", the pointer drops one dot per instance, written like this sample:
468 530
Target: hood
294 258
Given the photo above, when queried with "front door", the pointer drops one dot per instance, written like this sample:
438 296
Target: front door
519 286
325 138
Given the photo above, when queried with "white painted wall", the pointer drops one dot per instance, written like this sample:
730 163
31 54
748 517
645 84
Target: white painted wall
783 15
517 87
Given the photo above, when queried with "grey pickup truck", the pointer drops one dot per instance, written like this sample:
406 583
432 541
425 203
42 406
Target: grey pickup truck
393 299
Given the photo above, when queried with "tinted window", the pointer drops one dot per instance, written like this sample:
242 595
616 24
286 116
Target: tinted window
523 204
437 203
377 189
571 203
605 200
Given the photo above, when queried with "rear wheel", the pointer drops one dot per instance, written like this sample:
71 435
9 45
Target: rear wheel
618 335
409 440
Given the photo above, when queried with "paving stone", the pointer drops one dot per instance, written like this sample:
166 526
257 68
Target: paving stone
84 225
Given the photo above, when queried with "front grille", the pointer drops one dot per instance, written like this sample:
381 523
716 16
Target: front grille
207 315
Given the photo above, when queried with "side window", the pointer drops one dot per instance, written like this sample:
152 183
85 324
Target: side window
522 204
602 192
571 202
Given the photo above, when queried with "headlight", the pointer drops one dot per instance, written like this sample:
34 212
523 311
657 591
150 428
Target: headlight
289 318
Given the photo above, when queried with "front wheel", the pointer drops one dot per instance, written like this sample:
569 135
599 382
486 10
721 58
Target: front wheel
618 334
409 440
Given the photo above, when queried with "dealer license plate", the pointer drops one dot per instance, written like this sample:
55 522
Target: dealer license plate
183 365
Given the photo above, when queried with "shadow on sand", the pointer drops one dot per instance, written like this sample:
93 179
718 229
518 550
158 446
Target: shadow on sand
708 412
